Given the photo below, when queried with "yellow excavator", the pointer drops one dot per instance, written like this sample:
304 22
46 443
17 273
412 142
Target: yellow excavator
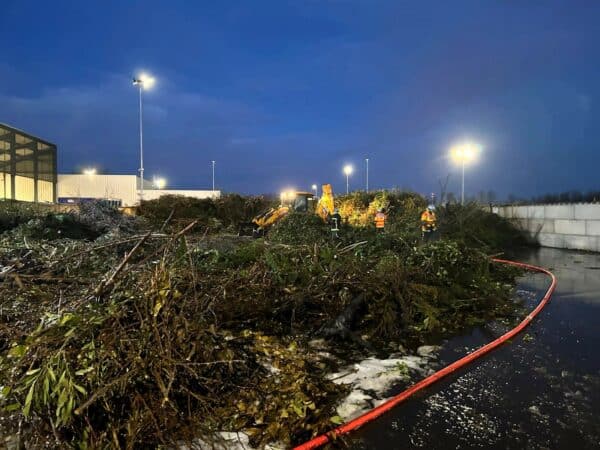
297 201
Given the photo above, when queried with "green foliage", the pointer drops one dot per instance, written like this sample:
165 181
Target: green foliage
158 210
197 334
300 228
478 227
226 212
13 214
56 226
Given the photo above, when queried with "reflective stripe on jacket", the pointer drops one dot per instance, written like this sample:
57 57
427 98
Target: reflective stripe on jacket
336 220
379 220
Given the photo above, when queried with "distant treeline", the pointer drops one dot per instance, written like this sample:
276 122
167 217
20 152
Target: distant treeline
487 197
562 197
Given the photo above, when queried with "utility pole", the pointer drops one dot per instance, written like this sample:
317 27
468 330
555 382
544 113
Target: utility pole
213 176
142 82
140 85
462 195
367 161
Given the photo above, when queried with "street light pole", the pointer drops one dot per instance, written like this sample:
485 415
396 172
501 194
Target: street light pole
463 154
140 85
348 170
213 176
367 160
462 195
142 82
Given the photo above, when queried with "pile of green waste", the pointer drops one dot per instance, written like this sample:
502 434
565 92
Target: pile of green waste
225 213
142 338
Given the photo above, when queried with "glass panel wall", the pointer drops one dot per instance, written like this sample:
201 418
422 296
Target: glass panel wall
27 167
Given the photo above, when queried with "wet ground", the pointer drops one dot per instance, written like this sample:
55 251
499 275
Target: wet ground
541 391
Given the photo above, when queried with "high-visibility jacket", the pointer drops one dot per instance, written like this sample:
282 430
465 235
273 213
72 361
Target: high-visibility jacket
379 220
428 221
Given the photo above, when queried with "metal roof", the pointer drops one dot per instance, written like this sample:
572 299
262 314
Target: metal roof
30 136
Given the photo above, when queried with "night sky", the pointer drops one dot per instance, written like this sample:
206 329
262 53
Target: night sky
284 93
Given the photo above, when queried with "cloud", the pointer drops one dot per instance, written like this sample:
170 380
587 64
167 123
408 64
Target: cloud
99 124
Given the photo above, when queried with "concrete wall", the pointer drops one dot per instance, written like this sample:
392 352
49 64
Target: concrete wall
574 226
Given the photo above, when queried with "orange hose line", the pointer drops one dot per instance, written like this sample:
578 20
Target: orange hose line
371 415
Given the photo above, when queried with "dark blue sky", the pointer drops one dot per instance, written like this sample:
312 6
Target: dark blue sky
283 93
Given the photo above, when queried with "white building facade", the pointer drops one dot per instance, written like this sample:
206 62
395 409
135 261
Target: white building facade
122 190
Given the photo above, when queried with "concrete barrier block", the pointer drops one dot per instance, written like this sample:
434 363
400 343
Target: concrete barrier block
540 225
592 227
581 242
520 212
587 211
535 212
503 211
559 212
576 227
551 240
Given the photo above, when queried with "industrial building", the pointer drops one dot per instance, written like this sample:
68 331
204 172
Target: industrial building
27 167
120 190
28 173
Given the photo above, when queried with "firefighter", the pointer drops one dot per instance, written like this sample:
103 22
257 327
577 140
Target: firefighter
335 220
428 223
380 220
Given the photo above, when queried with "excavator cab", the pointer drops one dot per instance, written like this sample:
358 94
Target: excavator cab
300 202
296 201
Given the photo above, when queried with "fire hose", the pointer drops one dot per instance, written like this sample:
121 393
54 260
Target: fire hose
376 412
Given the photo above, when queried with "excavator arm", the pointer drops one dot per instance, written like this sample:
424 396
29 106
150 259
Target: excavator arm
296 201
271 217
325 206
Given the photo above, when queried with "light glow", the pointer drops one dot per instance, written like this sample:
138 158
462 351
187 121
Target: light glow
464 153
145 81
159 183
348 169
89 171
287 195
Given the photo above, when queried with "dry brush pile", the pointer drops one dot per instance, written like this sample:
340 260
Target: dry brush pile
142 338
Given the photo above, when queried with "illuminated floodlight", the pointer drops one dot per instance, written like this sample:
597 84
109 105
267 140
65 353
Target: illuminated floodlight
348 169
287 195
159 183
144 81
89 171
463 154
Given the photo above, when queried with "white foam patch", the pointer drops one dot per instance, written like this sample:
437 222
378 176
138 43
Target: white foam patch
227 440
372 378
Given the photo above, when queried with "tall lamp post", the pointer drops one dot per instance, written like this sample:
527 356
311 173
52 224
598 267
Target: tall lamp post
143 81
213 176
348 169
463 154
367 161
314 188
